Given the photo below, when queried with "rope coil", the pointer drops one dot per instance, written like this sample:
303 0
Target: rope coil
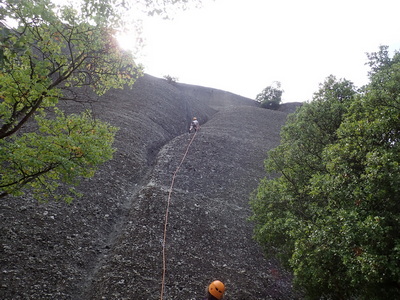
166 217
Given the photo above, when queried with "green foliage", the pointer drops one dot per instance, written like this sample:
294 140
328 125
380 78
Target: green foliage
50 53
170 79
271 96
297 158
64 148
53 52
332 213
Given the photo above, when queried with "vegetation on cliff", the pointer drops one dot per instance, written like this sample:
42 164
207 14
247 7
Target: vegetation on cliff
332 212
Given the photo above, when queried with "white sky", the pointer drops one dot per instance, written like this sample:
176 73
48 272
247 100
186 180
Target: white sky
242 46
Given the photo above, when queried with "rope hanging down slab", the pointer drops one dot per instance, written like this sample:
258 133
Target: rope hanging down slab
166 217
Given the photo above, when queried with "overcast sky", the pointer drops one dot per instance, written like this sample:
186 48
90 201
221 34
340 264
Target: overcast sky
243 46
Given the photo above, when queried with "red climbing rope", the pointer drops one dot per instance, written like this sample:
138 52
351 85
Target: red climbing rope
166 217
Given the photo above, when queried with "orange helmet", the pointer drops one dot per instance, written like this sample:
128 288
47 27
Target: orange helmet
217 289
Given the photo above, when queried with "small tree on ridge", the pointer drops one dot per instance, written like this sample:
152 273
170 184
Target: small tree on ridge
271 96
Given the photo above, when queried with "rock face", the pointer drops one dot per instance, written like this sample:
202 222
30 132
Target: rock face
108 244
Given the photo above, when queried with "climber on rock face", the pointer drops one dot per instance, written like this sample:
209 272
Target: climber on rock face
215 290
194 125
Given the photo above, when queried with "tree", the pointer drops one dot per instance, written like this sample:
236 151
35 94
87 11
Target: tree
47 57
170 79
362 181
296 159
332 212
271 96
57 53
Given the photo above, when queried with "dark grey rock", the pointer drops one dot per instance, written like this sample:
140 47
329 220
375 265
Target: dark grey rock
108 244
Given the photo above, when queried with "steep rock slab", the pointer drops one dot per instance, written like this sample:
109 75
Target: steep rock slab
215 98
50 250
54 250
208 234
